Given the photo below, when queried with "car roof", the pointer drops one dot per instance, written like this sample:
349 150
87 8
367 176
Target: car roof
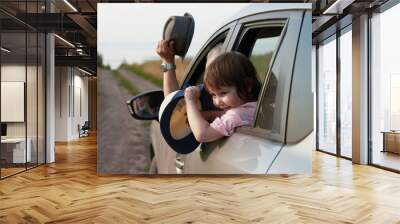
256 8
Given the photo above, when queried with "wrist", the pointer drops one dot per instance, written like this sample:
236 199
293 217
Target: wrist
190 101
168 60
166 67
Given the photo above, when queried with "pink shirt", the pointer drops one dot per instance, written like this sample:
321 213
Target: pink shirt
242 115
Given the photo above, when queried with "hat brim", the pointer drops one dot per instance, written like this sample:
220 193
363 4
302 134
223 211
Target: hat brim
181 30
172 118
174 129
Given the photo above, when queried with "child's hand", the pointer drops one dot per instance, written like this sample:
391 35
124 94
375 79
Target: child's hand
192 93
166 50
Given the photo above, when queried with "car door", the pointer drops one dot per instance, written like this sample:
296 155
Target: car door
271 41
167 160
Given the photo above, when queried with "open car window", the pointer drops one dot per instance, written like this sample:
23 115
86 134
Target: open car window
201 69
198 75
262 43
196 70
259 43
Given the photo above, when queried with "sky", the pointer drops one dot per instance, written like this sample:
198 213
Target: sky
130 32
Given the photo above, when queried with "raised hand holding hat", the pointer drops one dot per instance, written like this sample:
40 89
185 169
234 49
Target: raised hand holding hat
180 29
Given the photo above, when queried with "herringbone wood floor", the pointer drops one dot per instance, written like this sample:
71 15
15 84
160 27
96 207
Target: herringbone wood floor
69 191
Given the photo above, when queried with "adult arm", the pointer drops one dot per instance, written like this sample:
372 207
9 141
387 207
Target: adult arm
166 51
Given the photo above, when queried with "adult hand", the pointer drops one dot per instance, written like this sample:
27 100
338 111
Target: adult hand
192 93
165 49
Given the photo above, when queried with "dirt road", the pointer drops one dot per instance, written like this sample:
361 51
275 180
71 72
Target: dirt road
123 142
141 84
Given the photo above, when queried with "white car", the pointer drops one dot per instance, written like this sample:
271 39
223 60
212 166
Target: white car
277 39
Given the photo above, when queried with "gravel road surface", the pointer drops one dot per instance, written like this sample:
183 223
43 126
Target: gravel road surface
123 142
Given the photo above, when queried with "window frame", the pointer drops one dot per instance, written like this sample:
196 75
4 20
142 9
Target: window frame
255 21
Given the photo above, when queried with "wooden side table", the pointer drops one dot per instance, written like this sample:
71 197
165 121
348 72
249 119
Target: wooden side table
391 141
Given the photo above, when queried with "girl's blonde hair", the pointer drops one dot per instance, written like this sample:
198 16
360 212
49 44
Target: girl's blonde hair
233 69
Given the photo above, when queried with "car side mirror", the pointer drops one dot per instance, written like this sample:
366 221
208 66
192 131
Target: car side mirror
145 106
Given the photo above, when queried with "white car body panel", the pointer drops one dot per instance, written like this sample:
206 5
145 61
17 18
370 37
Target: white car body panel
295 158
163 154
237 154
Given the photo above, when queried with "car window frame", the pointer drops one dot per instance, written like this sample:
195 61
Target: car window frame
265 18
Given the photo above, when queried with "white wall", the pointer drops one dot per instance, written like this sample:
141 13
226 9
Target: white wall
12 73
71 93
62 81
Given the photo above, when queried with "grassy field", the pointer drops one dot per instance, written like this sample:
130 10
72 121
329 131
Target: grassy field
137 69
153 67
125 83
261 65
150 70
